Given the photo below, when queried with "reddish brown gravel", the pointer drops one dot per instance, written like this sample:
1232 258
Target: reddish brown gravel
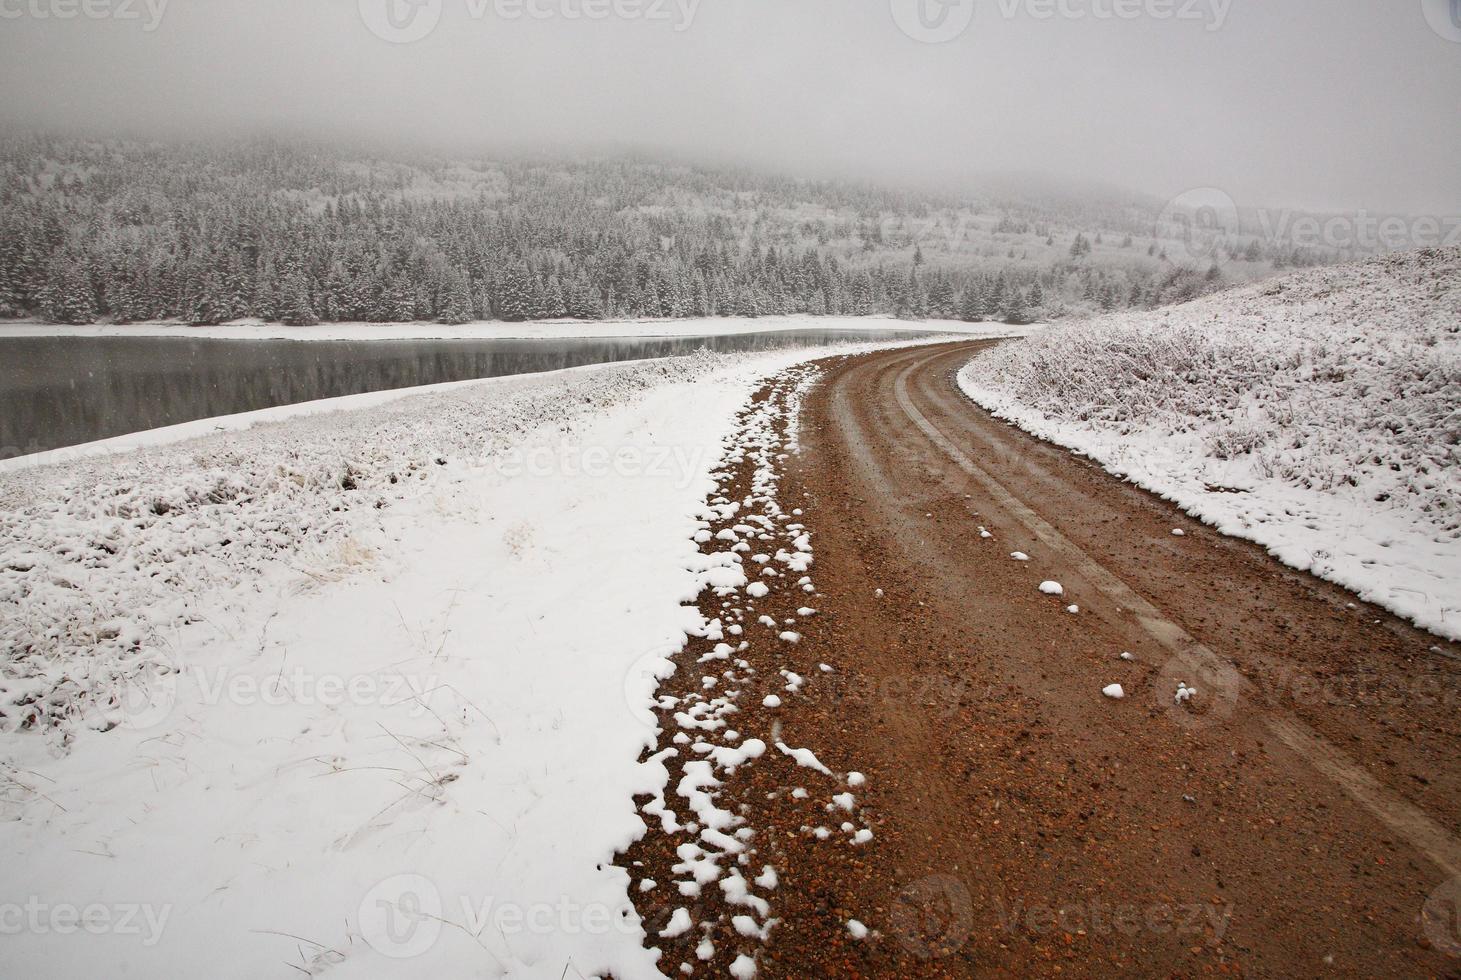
1024 824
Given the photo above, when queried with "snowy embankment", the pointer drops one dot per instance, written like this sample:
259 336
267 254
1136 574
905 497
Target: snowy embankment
1318 415
496 330
359 692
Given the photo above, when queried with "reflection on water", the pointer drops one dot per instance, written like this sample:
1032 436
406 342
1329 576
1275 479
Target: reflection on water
61 391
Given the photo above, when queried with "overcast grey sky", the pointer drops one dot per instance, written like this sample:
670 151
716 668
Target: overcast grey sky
1340 104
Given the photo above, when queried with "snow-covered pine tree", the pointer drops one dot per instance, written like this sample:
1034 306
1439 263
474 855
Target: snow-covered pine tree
67 296
456 298
399 300
1015 309
971 306
515 294
206 306
296 309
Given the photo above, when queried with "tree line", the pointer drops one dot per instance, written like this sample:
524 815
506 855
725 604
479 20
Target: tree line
125 231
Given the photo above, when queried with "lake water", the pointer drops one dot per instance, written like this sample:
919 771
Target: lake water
62 391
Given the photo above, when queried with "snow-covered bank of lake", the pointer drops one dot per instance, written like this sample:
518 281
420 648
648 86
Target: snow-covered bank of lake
360 692
498 330
1316 415
72 388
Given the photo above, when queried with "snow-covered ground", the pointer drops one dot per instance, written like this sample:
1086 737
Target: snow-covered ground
544 329
358 692
1318 415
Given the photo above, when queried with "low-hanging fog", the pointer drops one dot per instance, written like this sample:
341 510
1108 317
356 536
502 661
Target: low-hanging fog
1327 104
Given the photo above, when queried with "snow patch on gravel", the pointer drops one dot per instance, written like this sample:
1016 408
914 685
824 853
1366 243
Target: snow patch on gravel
722 843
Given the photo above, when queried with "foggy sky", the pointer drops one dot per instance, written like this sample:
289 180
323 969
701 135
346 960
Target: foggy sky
1336 104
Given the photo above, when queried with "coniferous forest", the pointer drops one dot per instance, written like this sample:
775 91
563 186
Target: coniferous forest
288 231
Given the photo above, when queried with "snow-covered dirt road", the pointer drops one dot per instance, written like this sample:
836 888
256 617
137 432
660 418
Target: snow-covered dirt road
1050 733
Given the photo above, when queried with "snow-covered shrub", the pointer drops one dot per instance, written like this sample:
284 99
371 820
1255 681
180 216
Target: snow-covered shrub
1344 382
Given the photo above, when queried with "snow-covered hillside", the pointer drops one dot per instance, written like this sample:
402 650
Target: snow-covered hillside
1318 414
